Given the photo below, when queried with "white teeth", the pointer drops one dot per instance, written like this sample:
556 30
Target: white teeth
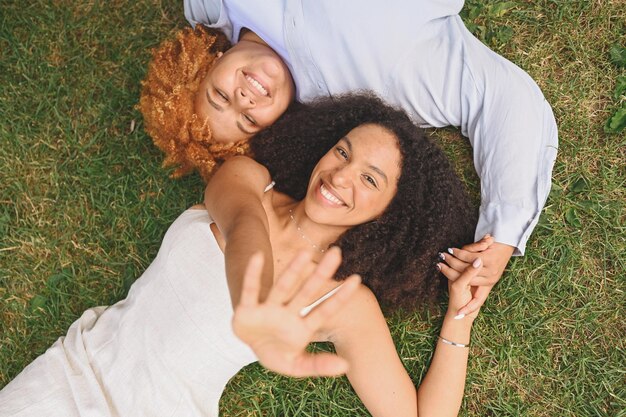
256 85
329 196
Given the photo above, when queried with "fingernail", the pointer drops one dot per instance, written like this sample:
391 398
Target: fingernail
442 256
487 236
450 251
438 266
477 262
459 316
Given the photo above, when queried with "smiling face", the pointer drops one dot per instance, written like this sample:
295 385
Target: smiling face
356 180
246 90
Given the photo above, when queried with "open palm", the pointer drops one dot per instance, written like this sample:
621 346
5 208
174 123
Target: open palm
277 330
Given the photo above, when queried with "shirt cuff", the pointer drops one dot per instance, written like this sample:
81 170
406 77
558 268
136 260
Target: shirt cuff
508 224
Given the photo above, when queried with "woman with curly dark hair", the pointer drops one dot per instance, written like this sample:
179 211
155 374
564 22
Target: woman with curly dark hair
429 213
317 203
169 348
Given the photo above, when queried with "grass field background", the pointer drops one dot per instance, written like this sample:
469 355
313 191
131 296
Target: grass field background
84 205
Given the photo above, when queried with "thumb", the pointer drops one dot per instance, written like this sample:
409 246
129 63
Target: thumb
481 245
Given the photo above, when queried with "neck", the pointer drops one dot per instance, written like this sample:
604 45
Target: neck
249 36
312 234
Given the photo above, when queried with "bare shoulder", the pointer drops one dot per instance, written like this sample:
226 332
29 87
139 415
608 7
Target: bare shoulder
243 165
361 311
241 171
365 300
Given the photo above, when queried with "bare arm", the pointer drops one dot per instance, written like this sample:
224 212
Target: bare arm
376 372
374 368
441 390
234 199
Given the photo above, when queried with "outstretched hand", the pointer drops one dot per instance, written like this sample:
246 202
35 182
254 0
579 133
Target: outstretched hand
276 329
494 258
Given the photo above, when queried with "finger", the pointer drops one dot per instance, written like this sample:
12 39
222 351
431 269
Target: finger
479 298
471 272
252 281
482 281
322 274
453 262
481 245
448 272
289 279
329 307
462 255
319 364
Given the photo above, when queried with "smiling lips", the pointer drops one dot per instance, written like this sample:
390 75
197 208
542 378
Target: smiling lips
254 83
330 197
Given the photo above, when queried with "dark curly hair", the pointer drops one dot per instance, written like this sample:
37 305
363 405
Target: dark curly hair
395 254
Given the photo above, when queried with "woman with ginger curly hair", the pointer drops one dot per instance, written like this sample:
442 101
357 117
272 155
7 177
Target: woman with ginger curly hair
196 82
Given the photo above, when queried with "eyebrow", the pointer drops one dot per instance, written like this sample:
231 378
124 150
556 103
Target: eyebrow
212 103
380 172
221 109
240 126
372 167
347 140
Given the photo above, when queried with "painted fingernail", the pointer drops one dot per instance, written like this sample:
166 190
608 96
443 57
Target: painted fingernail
438 266
459 316
450 251
442 257
477 262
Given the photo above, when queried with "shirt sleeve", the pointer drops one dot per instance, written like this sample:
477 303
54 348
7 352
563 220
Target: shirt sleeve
498 107
211 13
514 137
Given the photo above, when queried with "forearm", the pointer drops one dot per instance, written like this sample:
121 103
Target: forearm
245 231
441 391
234 199
248 234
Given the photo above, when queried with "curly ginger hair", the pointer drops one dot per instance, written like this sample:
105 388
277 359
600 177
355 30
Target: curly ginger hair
167 102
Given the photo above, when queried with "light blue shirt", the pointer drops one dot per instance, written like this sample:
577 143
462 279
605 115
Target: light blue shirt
419 55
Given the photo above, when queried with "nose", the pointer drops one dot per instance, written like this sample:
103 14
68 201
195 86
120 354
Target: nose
244 98
341 177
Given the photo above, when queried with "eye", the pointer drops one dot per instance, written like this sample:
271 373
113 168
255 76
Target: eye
250 120
342 152
221 95
370 180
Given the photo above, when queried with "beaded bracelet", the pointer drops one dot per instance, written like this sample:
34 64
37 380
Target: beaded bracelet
451 343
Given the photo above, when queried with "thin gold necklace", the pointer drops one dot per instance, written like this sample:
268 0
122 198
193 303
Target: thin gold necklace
302 235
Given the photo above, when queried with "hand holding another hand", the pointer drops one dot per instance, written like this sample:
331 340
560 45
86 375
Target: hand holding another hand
276 330
461 291
494 256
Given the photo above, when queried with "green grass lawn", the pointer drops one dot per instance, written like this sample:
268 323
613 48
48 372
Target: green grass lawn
84 205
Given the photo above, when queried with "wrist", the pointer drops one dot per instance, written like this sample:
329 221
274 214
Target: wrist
452 315
458 331
453 343
504 251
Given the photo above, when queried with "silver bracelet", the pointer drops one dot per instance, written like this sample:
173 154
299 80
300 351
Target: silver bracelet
451 343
